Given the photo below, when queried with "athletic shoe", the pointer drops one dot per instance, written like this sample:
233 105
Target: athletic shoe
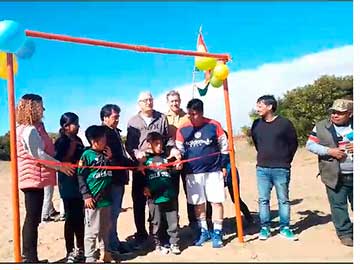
174 248
264 233
204 237
217 241
288 234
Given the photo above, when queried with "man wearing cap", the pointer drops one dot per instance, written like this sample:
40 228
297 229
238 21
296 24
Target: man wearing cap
332 140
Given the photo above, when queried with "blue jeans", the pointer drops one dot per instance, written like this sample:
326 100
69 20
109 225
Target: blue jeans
117 194
266 179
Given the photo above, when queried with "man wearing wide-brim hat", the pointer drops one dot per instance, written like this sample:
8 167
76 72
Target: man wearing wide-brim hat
332 140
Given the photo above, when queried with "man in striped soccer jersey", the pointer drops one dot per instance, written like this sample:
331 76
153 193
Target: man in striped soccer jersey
205 138
332 140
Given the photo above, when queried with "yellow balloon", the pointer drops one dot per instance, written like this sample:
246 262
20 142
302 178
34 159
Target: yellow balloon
221 71
3 65
215 82
205 63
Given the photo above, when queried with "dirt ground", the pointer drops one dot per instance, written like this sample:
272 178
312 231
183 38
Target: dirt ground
310 219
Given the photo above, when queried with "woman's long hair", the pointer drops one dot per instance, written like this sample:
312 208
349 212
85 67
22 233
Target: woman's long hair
29 110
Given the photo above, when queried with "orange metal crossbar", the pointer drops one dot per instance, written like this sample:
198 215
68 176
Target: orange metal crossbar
139 48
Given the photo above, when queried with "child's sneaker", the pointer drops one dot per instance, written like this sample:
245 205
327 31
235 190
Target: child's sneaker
175 249
204 237
163 250
264 233
71 257
287 233
79 256
217 241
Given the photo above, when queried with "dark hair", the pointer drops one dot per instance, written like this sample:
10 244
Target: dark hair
106 110
94 133
268 100
153 136
67 119
196 105
33 97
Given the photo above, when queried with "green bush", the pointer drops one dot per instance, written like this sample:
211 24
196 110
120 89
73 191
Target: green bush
5 147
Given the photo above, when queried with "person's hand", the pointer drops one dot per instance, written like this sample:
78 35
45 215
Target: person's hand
178 166
224 172
350 147
107 152
147 192
140 156
337 153
174 152
69 171
141 168
89 203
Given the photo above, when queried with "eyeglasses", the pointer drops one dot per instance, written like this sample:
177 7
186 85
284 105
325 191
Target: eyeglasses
146 100
338 112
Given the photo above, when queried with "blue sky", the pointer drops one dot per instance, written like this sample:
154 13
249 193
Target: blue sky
79 78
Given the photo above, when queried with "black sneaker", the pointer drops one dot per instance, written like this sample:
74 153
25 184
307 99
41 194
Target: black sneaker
138 243
48 219
124 249
79 256
54 214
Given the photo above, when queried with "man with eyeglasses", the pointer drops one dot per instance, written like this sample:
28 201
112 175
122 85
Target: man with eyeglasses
139 126
332 140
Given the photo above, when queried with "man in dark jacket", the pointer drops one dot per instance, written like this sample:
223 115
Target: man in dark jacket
109 115
332 140
276 143
139 126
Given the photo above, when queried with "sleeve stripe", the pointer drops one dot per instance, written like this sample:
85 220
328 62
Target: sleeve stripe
314 138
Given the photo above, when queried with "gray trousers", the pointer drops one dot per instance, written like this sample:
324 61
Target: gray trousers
97 225
48 206
160 213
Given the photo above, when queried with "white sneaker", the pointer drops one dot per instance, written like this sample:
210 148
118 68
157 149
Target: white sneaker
175 249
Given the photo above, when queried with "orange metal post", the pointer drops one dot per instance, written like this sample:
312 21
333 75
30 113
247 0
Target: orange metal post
232 163
13 156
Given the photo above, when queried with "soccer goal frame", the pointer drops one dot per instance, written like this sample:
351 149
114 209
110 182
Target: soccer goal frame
94 42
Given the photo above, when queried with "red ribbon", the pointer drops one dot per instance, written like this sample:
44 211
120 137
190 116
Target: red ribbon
161 166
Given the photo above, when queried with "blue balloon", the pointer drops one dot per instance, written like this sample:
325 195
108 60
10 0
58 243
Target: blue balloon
27 50
12 36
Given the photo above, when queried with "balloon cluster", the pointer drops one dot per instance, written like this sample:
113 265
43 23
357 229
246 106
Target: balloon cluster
13 40
219 71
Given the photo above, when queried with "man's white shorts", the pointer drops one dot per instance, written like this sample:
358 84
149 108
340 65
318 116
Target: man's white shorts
202 187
